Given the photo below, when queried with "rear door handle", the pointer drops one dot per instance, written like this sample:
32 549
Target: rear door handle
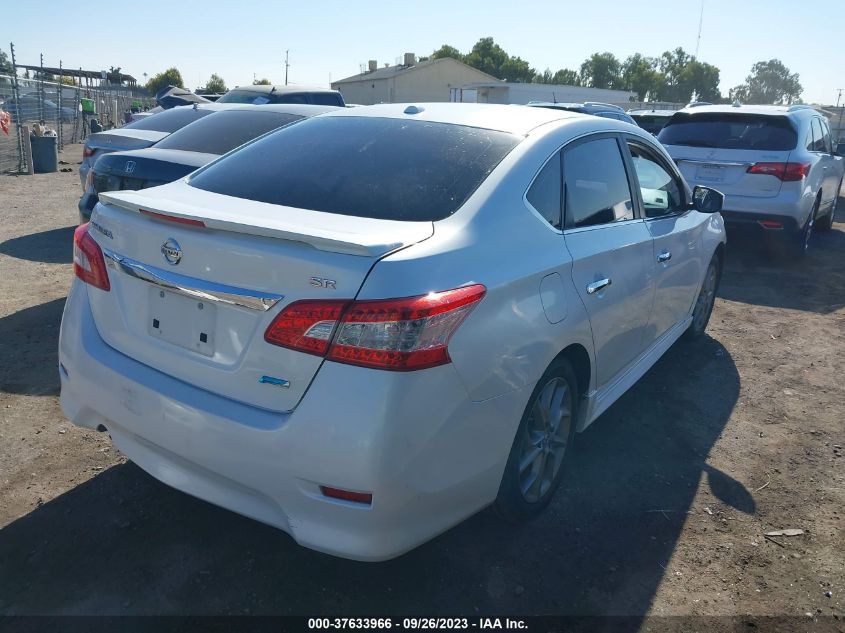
665 256
597 285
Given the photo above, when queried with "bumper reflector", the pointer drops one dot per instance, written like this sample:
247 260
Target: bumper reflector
347 495
770 224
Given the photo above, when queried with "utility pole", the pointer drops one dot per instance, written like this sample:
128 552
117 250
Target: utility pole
839 127
287 65
700 22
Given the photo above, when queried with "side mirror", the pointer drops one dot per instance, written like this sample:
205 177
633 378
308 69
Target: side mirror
840 149
707 200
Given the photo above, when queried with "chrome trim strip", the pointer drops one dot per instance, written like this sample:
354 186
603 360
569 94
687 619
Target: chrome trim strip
719 163
190 286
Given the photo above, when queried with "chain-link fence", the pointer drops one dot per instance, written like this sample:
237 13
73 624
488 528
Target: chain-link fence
59 107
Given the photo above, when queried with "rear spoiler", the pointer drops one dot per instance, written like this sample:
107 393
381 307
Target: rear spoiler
383 237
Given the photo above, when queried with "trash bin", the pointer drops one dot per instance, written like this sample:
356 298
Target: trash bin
45 154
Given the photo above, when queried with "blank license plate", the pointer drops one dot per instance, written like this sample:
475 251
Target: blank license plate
182 321
711 173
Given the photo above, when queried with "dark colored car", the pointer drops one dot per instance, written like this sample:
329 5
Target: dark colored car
30 108
188 149
261 95
606 110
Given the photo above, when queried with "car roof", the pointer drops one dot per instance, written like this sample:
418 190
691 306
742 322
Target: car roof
652 112
587 106
284 108
771 110
281 89
515 119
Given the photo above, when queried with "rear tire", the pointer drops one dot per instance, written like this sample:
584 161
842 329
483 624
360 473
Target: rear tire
705 300
799 243
543 442
826 223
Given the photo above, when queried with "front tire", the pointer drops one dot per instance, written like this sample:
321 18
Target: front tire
543 441
705 301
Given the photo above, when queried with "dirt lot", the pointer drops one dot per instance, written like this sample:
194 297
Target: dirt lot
664 512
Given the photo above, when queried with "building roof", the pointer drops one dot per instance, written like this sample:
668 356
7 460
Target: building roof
393 71
547 87
70 72
515 119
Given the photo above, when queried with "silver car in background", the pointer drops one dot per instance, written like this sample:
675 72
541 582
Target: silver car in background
776 165
365 327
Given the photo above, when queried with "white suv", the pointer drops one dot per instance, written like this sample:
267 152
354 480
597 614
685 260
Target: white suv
776 165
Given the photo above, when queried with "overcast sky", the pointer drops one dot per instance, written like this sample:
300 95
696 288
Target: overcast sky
329 39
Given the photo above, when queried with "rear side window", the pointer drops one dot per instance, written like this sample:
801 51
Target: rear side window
225 131
730 131
169 120
327 99
818 137
596 184
244 96
544 193
828 142
391 169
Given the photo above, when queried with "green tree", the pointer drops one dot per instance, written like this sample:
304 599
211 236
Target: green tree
601 70
170 77
68 81
566 77
703 78
770 82
262 82
447 51
489 57
215 85
5 64
640 75
675 86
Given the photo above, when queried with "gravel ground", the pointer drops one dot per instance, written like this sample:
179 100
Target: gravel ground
663 513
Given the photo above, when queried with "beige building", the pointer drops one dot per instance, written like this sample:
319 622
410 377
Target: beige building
413 81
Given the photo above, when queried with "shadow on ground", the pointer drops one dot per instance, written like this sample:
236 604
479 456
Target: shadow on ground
51 247
782 282
124 543
29 341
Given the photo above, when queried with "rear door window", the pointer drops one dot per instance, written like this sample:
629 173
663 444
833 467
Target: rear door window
596 184
225 131
381 168
818 137
828 142
545 192
730 131
169 120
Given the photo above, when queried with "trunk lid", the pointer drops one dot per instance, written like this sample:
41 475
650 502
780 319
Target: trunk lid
202 320
149 167
727 169
124 139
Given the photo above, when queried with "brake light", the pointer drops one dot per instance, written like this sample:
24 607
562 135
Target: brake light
786 172
306 326
770 224
87 152
393 334
171 218
88 262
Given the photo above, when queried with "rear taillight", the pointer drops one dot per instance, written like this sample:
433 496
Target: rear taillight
88 262
787 172
306 326
87 152
347 495
394 334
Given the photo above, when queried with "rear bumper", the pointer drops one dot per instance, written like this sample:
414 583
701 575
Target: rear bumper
745 221
429 455
86 205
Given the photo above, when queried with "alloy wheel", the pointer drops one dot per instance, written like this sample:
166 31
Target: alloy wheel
544 440
706 298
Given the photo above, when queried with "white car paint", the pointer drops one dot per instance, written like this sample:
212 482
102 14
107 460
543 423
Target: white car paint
429 445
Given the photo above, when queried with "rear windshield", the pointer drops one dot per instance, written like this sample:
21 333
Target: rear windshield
729 131
650 123
225 131
261 98
169 120
367 167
